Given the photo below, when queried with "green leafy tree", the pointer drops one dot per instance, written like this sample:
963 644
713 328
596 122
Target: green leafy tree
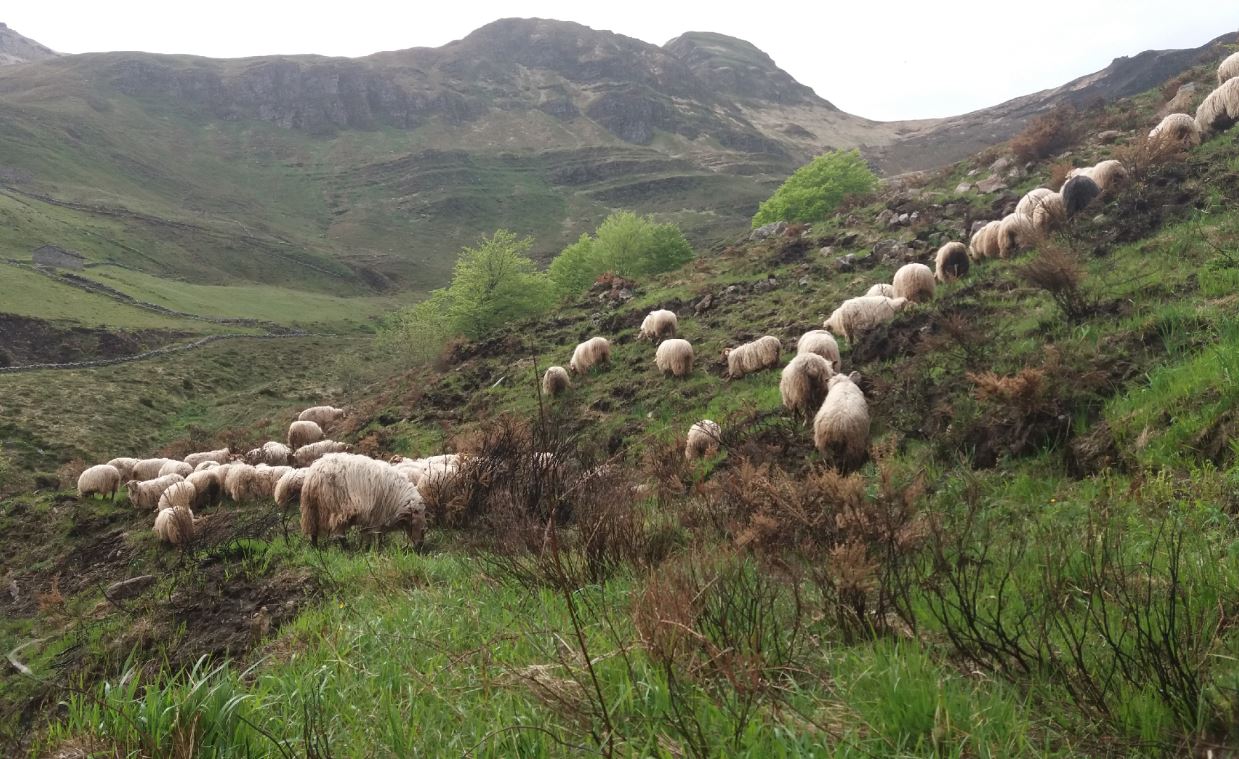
626 244
817 188
575 268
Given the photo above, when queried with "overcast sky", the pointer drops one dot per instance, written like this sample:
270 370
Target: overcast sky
874 58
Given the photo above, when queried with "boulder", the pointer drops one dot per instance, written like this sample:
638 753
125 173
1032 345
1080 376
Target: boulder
768 230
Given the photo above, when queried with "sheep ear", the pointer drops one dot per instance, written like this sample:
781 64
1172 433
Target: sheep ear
855 377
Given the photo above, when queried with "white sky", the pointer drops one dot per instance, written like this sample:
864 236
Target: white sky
884 59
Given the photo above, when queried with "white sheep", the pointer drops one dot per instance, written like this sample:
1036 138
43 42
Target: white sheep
1228 69
1178 131
674 357
243 483
221 456
145 494
555 381
804 382
147 469
323 416
207 465
859 315
175 526
268 478
914 282
659 325
1107 174
703 440
1015 234
883 289
307 455
342 490
593 352
288 490
984 242
1220 110
1031 200
271 453
172 466
303 433
101 479
822 343
208 489
1049 214
841 426
1078 193
181 493
762 353
951 262
125 465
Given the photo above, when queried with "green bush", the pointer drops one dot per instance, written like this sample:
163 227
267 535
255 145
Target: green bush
625 244
817 188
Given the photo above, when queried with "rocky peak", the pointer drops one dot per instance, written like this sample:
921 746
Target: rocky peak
739 68
14 48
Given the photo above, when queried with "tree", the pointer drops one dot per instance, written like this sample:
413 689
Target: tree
817 188
495 283
625 244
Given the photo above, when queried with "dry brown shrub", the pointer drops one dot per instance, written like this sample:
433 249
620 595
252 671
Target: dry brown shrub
68 472
1058 174
1046 135
1058 273
1023 390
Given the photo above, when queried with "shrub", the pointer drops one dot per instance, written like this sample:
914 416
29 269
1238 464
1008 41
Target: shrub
625 244
1058 273
1046 135
818 188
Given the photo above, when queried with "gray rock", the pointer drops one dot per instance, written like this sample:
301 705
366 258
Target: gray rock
846 263
991 185
704 304
1108 136
903 219
848 238
129 588
976 226
963 187
768 230
827 250
973 172
804 282
886 218
765 285
1002 164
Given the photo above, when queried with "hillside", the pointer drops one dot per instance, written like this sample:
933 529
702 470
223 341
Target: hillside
1037 559
14 48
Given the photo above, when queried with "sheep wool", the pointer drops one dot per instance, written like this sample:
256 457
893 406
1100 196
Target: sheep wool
1229 69
221 456
762 353
124 465
343 490
1178 131
822 343
952 262
1220 110
1031 200
303 433
314 451
859 315
841 426
593 352
268 478
804 382
180 493
674 357
175 526
208 490
1015 234
101 479
147 469
984 243
1049 214
703 440
1107 174
243 483
271 453
659 325
555 381
207 465
288 489
1078 193
145 494
914 282
323 416
883 289
172 466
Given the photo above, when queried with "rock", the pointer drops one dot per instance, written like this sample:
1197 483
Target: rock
991 185
1099 219
976 226
1108 136
963 187
765 285
827 250
885 218
732 290
891 251
704 304
846 263
973 172
1016 172
768 230
915 215
1001 165
848 238
129 588
804 282
1182 100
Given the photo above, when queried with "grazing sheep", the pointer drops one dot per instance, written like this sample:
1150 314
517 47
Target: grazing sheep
822 343
323 416
145 494
591 353
703 440
555 381
303 433
101 479
1229 69
841 427
883 289
147 469
914 282
984 243
659 325
1178 131
268 478
288 490
178 494
674 357
343 490
222 456
1220 110
175 526
1049 214
244 483
1016 233
172 466
125 465
1078 193
1107 174
270 453
207 465
859 315
208 489
315 451
952 262
1031 200
762 353
804 382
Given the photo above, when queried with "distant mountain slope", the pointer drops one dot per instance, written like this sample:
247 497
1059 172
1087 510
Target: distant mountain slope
14 48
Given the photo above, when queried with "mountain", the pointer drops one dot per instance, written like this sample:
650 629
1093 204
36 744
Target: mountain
14 48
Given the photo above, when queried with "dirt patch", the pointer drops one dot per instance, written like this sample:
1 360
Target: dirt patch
24 340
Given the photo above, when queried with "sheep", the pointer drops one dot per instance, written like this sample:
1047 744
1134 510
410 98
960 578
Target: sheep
841 426
303 433
147 469
1178 131
221 456
1220 110
822 343
175 526
323 416
1107 174
658 325
984 243
288 490
124 465
1015 233
1229 69
244 483
145 494
268 478
207 465
208 488
591 353
342 490
803 384
914 282
883 289
1031 200
703 440
1078 193
101 479
859 315
762 353
270 453
952 262
1049 214
180 493
555 381
314 451
172 466
674 357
